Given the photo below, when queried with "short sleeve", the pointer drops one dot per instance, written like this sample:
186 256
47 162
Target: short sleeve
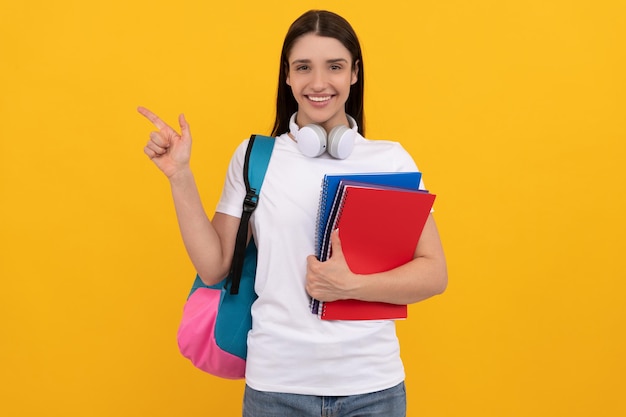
234 190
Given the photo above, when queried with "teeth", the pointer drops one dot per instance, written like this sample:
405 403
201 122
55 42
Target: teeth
319 98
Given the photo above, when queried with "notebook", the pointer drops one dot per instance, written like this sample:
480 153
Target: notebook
379 228
330 185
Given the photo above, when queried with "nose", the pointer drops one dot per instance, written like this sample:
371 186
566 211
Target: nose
318 80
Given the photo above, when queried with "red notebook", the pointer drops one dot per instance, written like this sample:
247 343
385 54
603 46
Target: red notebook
379 228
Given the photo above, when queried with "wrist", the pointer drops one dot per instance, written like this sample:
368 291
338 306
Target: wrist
183 175
354 286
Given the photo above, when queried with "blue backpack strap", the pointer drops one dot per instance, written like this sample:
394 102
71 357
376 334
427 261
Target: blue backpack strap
255 166
262 147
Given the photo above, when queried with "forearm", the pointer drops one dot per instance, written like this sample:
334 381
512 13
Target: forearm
202 241
422 277
415 281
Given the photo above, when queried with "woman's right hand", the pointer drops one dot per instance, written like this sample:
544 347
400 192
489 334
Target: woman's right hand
169 150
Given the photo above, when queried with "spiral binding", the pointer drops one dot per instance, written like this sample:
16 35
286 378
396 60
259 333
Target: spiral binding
322 310
320 227
333 218
325 228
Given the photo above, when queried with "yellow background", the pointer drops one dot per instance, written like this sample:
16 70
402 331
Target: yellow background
514 110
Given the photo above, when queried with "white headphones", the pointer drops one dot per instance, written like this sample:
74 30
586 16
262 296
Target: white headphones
312 140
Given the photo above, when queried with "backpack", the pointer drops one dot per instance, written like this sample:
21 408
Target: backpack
213 331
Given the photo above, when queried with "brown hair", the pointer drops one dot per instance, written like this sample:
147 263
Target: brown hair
322 23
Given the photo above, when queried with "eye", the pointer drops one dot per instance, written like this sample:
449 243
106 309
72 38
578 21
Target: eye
302 68
335 67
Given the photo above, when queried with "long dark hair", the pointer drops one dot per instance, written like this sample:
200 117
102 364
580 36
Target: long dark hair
321 23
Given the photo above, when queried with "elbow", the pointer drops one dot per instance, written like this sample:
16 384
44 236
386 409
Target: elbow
440 280
209 276
208 280
433 284
442 284
430 282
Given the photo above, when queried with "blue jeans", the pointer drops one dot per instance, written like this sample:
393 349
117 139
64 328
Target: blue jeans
386 403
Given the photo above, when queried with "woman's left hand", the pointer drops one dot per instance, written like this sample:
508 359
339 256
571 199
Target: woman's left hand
331 280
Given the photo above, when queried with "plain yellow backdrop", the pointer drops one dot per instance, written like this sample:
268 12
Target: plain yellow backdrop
514 111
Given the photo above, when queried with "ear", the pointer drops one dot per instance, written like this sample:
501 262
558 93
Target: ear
355 73
287 81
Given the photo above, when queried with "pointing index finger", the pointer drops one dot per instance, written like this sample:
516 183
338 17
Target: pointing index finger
153 118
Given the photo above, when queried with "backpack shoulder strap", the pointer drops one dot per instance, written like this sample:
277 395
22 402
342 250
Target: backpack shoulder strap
255 165
257 159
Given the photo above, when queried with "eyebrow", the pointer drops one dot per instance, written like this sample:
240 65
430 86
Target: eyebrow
328 61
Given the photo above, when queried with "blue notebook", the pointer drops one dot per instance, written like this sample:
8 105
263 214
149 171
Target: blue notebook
330 186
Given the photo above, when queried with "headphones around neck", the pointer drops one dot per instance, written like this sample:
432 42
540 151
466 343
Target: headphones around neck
312 140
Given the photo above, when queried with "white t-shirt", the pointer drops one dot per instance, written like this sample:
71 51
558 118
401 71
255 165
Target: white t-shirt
291 350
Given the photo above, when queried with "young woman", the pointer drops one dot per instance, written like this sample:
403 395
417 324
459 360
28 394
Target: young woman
299 365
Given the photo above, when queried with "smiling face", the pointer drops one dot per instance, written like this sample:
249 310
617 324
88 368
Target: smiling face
320 72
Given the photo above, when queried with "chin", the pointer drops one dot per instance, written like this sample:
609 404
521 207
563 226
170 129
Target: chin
319 115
